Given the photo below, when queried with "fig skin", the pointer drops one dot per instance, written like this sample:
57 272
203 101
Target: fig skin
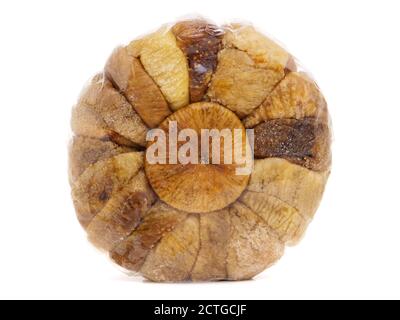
305 142
200 41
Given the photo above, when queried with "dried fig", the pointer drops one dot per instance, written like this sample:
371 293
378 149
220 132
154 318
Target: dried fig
122 213
296 96
174 256
201 42
252 246
132 252
166 64
239 83
293 184
285 220
87 122
97 184
285 196
214 239
87 151
305 142
188 187
129 76
265 52
102 101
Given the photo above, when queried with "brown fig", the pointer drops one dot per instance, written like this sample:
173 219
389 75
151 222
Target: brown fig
112 109
200 41
129 76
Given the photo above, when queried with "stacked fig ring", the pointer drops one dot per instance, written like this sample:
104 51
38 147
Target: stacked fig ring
198 222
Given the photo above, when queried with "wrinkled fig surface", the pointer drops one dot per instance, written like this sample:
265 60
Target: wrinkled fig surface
129 76
240 84
304 142
114 117
200 41
199 221
165 63
188 187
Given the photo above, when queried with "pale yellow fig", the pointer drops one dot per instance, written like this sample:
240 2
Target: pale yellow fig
264 51
295 185
285 196
240 84
166 64
282 218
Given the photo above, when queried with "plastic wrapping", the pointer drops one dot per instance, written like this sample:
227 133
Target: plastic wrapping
199 153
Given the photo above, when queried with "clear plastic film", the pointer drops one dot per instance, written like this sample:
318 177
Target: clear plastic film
199 153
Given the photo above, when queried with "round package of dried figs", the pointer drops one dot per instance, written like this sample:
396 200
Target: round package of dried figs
199 152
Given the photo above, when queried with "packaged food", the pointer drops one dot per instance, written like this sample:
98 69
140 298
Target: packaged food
199 153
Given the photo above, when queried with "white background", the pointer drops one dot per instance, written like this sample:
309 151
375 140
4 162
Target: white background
48 49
